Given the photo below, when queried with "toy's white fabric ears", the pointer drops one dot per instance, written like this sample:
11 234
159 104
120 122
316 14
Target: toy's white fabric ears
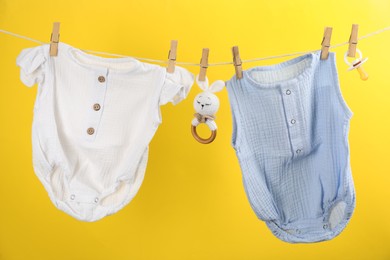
204 85
217 86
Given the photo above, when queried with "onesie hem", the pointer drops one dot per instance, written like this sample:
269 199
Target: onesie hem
319 231
99 211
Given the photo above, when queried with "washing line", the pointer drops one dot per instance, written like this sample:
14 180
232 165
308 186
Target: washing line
197 64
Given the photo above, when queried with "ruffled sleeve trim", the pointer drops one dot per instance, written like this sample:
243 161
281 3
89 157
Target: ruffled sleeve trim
31 61
176 86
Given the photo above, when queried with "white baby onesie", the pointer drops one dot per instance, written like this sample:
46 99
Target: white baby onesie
93 120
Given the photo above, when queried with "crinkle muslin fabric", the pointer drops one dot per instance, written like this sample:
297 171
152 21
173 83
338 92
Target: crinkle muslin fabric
93 120
290 135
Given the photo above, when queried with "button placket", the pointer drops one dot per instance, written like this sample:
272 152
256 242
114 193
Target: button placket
95 107
293 117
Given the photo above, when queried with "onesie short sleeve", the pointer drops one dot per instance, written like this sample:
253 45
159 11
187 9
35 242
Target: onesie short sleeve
176 86
31 62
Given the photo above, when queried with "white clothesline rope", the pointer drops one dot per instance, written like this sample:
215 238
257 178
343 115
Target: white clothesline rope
197 64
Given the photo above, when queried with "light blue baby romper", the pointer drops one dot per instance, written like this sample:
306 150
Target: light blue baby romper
290 134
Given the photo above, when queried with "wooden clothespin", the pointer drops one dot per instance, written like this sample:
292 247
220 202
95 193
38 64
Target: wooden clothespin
55 39
237 62
204 63
352 50
172 57
326 43
353 40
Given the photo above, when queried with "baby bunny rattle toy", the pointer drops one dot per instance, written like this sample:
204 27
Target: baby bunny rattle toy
206 105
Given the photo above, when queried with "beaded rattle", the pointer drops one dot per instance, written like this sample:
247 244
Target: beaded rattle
206 105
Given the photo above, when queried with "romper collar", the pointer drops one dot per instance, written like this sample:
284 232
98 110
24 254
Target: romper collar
312 61
97 63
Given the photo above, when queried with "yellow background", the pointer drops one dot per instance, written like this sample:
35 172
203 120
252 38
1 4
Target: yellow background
192 203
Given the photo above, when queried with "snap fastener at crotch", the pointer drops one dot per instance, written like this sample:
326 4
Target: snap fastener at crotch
80 197
337 214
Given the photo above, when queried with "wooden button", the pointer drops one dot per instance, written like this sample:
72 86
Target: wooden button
96 107
101 79
90 131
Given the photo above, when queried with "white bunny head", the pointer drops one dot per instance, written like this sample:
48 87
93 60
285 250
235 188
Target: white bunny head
207 103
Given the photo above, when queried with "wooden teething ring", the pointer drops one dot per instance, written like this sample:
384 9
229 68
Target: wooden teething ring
200 139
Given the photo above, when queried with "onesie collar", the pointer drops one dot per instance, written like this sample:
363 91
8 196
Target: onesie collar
305 74
70 52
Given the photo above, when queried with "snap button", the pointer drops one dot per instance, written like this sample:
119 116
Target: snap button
298 151
101 79
90 131
96 200
293 121
72 197
96 107
288 92
325 226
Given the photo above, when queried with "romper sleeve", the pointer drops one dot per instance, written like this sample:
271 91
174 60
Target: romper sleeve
31 61
176 86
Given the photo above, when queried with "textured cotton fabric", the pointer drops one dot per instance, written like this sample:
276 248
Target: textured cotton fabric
93 120
290 135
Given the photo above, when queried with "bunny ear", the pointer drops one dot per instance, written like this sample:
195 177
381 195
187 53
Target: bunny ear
217 86
202 84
